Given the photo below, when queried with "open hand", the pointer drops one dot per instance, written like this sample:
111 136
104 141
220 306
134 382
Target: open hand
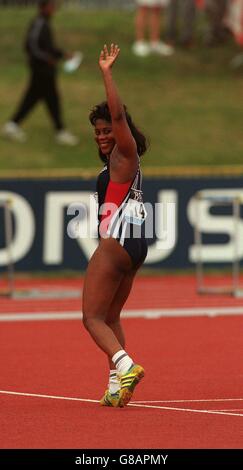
107 58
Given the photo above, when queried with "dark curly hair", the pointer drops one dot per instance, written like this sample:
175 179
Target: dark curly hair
101 111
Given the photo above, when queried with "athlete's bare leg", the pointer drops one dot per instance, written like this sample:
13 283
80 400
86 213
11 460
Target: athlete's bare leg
107 268
113 314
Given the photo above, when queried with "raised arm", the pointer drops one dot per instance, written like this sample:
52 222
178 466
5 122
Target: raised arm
125 142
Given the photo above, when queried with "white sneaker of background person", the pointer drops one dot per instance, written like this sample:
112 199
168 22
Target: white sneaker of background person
64 137
141 48
161 48
13 131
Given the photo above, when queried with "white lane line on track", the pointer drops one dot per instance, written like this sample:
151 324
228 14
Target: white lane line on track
189 410
38 316
145 313
230 409
188 401
38 395
166 408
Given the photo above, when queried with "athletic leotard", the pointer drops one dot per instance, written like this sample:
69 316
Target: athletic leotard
116 221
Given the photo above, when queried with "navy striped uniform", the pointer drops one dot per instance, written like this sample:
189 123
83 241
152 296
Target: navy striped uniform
128 234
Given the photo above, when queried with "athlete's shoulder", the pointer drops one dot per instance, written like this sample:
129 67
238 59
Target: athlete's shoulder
103 176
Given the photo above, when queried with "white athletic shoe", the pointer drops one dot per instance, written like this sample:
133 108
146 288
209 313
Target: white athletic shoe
12 131
141 48
161 48
65 137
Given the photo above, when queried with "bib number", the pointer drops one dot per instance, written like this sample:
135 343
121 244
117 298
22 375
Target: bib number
135 212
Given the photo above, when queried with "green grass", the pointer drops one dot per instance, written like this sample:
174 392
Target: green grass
189 105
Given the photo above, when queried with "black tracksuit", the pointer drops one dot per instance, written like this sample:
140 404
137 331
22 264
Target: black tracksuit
42 57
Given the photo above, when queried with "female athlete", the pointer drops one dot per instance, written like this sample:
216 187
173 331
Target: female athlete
122 246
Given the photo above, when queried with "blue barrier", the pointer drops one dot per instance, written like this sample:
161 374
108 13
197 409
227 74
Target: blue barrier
41 220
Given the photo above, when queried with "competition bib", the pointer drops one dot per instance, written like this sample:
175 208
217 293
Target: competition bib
135 212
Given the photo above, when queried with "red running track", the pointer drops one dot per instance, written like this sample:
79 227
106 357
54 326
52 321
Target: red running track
165 292
191 396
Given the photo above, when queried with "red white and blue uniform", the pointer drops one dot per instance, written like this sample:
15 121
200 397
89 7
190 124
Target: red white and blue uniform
116 219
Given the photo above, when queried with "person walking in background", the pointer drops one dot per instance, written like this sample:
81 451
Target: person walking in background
148 16
180 22
217 32
43 57
233 19
122 248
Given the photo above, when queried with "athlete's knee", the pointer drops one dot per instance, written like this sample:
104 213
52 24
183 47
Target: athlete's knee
90 314
113 321
87 322
90 322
